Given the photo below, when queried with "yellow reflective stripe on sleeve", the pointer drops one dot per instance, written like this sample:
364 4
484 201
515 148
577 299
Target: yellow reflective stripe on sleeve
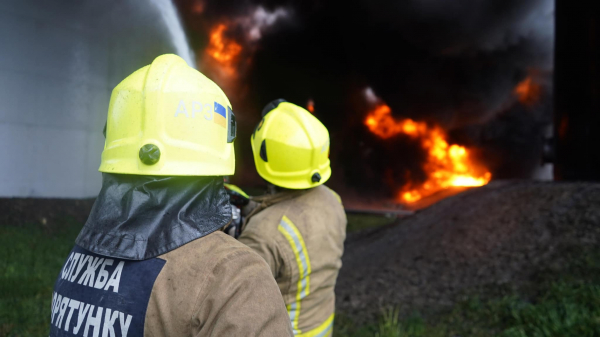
291 233
323 330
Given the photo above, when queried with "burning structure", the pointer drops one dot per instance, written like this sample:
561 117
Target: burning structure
445 165
222 51
463 91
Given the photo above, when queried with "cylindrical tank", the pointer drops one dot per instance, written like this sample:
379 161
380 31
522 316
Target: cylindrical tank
59 61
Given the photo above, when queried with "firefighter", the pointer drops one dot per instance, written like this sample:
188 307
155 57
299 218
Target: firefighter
300 226
150 260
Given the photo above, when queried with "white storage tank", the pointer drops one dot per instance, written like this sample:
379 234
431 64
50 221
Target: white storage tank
59 61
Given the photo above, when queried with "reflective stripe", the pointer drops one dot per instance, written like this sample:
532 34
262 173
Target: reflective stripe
291 233
322 330
293 309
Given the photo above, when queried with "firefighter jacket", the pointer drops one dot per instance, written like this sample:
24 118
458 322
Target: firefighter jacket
301 236
150 261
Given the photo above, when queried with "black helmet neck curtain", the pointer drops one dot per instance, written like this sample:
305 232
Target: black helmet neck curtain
140 217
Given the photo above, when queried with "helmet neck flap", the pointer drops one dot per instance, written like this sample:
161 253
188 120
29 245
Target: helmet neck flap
140 217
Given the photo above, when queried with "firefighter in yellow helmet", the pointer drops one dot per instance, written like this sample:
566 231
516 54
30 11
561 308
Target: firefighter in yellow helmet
150 260
299 228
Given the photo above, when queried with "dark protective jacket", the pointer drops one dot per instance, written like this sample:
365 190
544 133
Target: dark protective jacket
301 236
150 261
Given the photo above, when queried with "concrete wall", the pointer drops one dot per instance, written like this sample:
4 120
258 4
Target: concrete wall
59 61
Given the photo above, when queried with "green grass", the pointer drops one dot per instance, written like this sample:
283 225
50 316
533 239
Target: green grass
563 311
565 304
31 258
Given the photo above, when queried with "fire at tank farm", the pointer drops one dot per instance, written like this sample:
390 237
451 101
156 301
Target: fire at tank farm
404 168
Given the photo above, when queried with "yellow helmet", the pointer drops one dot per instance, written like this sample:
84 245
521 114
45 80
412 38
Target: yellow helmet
291 147
168 119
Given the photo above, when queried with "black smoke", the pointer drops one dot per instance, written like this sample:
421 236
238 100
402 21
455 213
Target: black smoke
454 63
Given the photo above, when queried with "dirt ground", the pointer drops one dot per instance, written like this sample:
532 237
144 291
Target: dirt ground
500 236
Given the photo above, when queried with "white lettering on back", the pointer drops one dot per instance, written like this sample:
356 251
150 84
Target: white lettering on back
101 319
73 305
67 267
115 278
93 321
82 260
63 306
87 278
72 266
103 274
83 309
124 323
108 328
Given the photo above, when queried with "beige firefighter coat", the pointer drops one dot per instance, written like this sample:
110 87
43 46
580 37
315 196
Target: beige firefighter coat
211 286
301 236
214 286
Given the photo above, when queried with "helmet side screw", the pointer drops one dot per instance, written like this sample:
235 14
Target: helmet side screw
316 177
149 154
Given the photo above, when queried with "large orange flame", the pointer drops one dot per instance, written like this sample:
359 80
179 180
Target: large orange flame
446 164
528 91
223 50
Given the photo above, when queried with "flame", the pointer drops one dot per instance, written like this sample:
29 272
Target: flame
198 7
446 165
528 91
310 106
223 50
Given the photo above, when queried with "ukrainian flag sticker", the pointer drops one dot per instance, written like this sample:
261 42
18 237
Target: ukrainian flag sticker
220 115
